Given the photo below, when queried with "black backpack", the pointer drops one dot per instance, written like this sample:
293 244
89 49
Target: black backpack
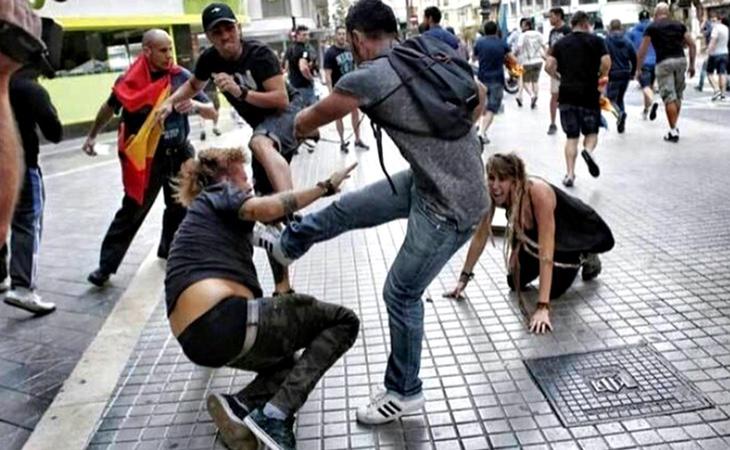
440 81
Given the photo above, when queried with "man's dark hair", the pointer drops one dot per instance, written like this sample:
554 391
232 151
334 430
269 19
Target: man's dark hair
644 15
340 27
301 28
526 20
580 18
615 25
598 23
558 12
372 17
490 28
433 13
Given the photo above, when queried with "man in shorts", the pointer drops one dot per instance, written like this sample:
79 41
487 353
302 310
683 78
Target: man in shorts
492 54
249 75
560 29
647 77
717 55
530 51
579 60
669 37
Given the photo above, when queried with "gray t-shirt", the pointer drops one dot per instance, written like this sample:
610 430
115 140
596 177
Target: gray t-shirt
449 175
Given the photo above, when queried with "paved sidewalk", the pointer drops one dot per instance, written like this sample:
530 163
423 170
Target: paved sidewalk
666 283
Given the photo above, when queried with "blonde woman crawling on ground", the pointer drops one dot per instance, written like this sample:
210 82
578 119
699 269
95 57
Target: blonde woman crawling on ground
550 236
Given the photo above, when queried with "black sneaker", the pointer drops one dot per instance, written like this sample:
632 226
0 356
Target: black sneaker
217 131
202 135
533 103
228 415
671 137
568 181
361 145
621 123
552 129
98 277
273 433
519 102
591 267
344 147
652 111
592 166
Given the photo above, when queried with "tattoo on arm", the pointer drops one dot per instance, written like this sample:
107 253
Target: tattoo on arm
288 202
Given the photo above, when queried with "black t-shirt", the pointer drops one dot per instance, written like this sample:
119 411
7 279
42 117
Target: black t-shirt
558 33
32 106
212 242
339 61
256 64
299 50
177 126
667 37
579 60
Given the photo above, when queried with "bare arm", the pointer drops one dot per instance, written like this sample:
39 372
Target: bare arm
273 207
482 101
206 110
476 247
333 107
10 148
184 93
304 69
328 78
551 66
543 201
605 66
274 95
103 117
692 53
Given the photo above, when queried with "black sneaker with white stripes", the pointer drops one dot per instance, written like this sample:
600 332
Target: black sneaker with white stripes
387 406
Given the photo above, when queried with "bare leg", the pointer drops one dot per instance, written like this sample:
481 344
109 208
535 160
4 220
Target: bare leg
590 142
340 130
487 118
672 110
553 108
571 152
355 118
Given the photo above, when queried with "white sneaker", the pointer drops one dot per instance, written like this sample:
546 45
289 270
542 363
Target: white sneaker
28 300
387 406
268 237
5 285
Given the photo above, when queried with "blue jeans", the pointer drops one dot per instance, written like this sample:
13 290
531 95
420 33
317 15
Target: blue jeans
430 242
25 234
308 95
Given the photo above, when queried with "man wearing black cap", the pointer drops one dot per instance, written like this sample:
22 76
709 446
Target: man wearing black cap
248 73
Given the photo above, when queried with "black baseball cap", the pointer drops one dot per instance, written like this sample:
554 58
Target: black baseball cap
216 13
644 15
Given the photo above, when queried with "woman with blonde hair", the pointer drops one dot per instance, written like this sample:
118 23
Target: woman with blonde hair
550 236
215 308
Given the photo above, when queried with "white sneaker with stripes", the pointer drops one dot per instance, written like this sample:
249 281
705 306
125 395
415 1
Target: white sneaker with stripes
267 237
387 406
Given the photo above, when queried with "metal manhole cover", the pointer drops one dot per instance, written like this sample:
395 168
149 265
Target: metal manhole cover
614 384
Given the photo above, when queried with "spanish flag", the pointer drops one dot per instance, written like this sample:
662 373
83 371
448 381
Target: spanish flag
136 90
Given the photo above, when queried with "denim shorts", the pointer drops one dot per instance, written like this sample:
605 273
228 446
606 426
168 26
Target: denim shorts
647 77
577 120
495 94
717 63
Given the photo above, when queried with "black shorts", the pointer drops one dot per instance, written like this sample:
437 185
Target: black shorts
577 120
647 77
280 127
717 63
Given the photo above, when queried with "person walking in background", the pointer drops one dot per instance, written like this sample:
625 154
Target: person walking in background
706 31
530 53
623 66
560 29
338 61
432 24
647 75
299 60
135 94
669 37
579 60
717 57
493 54
32 108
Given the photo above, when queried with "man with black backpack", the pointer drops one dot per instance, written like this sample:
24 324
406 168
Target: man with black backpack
442 195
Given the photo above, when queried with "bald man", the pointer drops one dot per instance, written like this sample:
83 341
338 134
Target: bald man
134 95
669 38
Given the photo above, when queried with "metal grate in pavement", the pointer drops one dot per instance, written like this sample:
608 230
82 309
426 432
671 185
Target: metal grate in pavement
614 384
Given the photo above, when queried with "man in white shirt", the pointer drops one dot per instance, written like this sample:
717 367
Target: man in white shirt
530 52
717 57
